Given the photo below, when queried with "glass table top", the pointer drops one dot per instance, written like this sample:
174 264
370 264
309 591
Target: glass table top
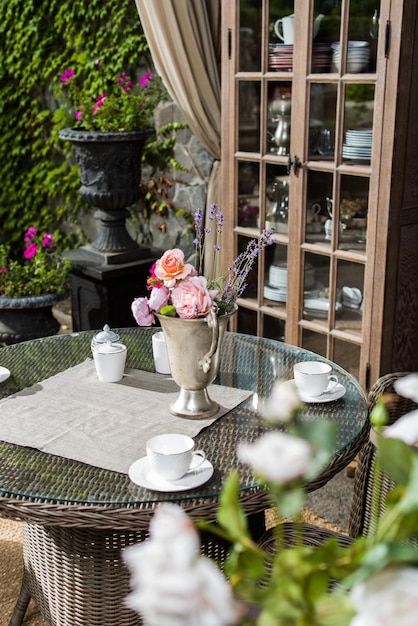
246 362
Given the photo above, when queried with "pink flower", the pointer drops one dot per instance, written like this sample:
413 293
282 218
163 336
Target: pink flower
48 240
159 297
141 312
3 270
30 234
67 76
171 267
145 79
191 297
30 251
100 102
78 116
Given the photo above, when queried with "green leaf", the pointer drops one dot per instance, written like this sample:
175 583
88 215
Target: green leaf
396 459
230 514
168 311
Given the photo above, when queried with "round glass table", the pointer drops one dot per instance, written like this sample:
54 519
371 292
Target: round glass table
78 517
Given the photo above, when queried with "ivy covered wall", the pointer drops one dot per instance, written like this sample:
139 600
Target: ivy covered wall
39 39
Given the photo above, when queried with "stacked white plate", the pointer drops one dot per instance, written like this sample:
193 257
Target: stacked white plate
358 56
319 307
358 144
280 295
276 289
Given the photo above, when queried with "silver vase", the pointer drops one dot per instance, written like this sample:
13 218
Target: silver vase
193 347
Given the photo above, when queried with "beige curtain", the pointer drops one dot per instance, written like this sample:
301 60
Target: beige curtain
184 40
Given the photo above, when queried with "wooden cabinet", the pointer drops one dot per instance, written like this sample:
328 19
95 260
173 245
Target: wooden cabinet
320 142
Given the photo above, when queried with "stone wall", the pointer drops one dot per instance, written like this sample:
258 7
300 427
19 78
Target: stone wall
188 192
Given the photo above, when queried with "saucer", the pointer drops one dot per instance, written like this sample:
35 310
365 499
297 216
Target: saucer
4 374
328 396
141 474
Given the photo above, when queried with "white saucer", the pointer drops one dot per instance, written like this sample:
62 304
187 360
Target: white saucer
141 474
328 396
4 374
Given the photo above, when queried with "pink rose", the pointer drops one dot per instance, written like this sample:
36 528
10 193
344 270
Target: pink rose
159 297
141 312
171 267
191 297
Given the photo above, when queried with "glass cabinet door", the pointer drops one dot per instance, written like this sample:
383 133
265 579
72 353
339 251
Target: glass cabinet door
306 163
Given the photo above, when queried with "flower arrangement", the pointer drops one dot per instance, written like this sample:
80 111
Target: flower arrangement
373 581
39 270
109 103
180 289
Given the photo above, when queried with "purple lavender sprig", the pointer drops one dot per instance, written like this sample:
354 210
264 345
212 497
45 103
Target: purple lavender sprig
203 234
235 281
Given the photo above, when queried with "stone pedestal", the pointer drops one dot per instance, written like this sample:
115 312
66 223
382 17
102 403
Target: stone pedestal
102 294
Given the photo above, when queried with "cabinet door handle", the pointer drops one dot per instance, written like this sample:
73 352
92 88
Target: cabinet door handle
293 163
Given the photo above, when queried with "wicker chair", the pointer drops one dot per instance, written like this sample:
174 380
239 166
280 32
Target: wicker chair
360 513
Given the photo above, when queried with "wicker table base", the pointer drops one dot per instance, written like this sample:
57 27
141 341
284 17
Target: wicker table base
78 577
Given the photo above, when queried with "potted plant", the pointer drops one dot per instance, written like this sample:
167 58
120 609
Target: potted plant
32 281
113 120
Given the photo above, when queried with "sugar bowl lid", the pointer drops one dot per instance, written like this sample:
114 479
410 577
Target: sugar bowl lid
104 337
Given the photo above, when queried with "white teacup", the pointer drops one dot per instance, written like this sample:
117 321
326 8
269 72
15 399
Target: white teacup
284 29
159 351
171 455
109 359
313 378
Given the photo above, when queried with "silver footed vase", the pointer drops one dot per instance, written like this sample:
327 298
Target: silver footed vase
194 347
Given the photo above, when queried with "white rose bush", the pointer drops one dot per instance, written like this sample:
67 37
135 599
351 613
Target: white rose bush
373 581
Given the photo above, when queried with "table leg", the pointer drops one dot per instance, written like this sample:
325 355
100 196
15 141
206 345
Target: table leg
21 604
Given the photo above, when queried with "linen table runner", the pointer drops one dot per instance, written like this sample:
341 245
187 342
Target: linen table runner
74 415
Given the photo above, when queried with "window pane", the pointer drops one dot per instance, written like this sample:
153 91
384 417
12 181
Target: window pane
350 289
249 116
323 102
319 190
353 212
314 342
316 288
358 123
250 36
277 198
278 117
347 355
275 280
248 194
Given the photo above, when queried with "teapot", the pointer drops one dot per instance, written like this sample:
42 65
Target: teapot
283 28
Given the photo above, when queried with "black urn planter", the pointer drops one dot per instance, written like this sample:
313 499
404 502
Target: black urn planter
28 317
110 173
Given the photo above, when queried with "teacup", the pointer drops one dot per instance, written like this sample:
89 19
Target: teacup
159 351
110 359
313 378
171 455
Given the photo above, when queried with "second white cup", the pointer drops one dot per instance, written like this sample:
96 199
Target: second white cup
159 351
171 455
313 378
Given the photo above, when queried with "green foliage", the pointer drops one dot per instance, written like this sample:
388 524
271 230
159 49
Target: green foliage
39 39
